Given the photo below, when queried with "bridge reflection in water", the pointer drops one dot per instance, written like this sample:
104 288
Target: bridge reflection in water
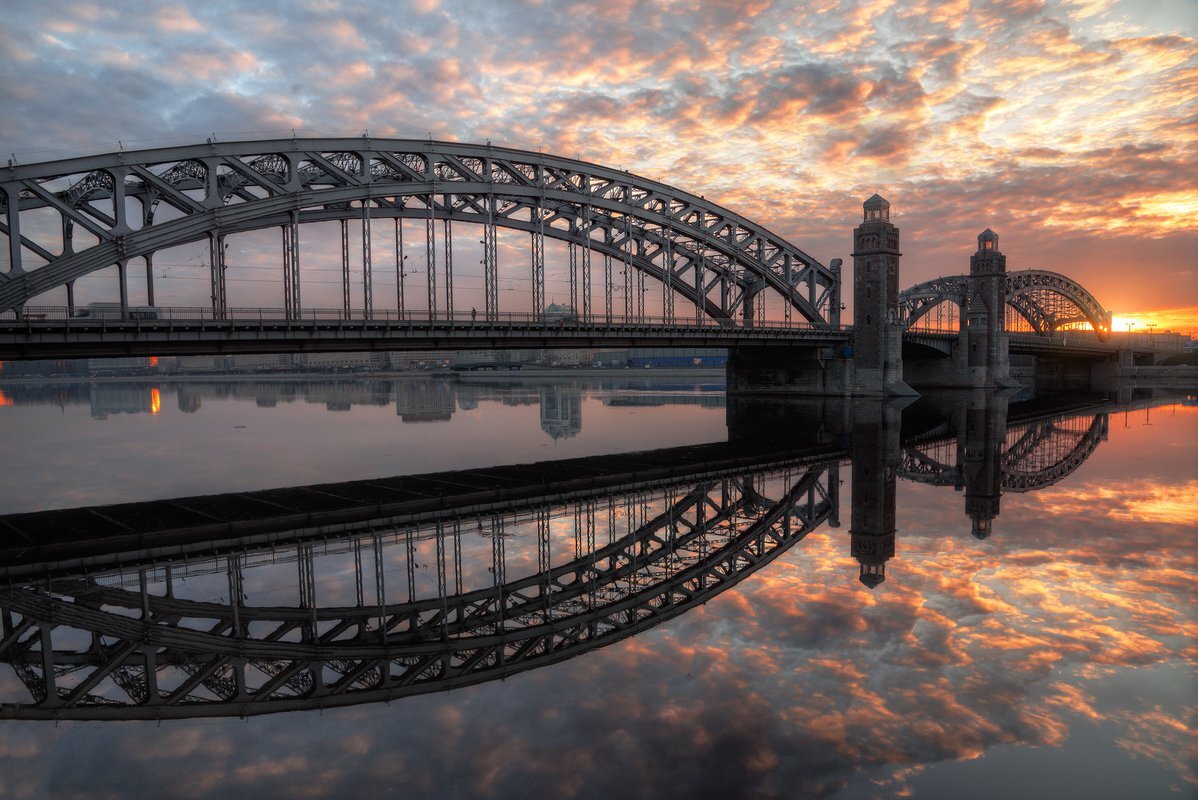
435 591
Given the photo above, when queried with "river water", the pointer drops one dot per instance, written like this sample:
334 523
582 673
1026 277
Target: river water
972 595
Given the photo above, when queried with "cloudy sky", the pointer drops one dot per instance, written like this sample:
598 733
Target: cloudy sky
1068 127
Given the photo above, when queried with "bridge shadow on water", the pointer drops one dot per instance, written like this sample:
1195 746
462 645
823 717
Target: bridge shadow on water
337 594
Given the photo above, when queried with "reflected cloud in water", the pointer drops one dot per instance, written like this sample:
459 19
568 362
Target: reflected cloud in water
1069 628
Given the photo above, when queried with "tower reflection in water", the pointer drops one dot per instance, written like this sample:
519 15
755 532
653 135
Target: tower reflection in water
166 621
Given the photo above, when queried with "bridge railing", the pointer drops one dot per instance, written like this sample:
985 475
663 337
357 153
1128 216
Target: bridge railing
925 325
90 317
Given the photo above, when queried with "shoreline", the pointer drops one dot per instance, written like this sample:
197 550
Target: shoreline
446 374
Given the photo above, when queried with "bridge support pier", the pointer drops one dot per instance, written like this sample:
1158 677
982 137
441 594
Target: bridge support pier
876 456
791 370
985 424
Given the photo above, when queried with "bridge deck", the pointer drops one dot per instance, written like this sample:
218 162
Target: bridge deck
178 332
48 541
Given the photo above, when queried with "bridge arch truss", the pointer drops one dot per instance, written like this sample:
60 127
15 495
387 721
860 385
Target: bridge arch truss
68 219
1038 301
1033 455
106 647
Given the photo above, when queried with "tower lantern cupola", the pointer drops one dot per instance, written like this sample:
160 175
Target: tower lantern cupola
877 209
987 241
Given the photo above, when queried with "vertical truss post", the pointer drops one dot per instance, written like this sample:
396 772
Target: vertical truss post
457 556
607 288
667 287
611 520
236 591
296 296
627 252
589 532
573 252
216 248
498 553
345 299
367 298
143 590
587 314
149 259
399 269
701 525
640 296
13 217
359 591
291 279
45 641
834 294
122 276
380 586
307 583
285 232
700 288
498 562
544 562
538 263
448 248
543 552
490 264
70 298
787 266
151 675
442 594
410 543
430 258
577 531
628 286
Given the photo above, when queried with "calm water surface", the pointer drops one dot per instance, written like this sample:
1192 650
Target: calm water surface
1053 657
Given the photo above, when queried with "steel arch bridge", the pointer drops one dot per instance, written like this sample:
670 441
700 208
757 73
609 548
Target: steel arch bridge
1034 455
124 644
1041 301
65 220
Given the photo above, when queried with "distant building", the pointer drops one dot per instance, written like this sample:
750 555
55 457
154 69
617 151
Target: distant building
343 362
424 401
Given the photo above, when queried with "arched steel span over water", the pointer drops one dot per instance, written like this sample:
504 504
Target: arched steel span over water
1034 456
77 216
125 646
1047 301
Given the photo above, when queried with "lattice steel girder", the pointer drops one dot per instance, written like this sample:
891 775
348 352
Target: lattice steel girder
921 298
1053 453
653 574
1047 300
1034 455
271 177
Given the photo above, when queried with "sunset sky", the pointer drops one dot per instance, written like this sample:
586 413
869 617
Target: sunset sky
1067 127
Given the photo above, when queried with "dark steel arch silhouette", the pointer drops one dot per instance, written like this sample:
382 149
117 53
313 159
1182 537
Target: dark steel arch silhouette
1045 454
694 247
1048 301
1034 456
158 656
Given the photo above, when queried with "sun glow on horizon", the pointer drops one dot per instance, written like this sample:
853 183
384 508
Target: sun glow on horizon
1176 320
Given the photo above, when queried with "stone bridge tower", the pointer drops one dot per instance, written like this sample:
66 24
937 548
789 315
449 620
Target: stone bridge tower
877 333
875 456
986 339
